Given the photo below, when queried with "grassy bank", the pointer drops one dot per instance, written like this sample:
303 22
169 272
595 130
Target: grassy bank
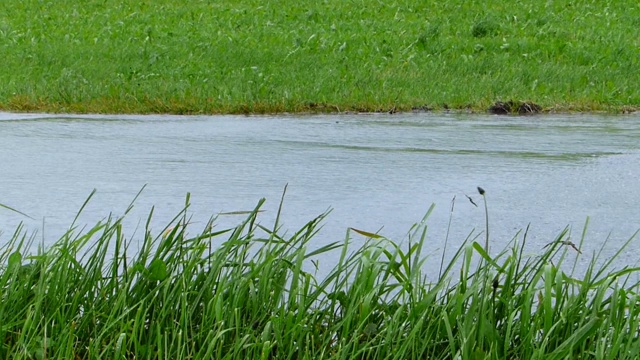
250 293
254 56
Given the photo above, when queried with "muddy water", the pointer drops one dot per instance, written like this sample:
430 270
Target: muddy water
377 172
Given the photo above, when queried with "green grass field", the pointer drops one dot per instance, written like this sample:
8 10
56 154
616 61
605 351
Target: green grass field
249 292
296 56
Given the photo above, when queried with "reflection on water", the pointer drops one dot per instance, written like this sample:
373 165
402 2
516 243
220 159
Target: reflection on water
377 172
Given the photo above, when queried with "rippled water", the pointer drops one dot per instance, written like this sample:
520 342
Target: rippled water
375 172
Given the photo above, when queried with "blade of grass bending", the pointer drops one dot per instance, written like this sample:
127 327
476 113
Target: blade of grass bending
617 254
417 248
584 235
418 261
519 261
135 198
43 236
16 211
486 218
93 192
478 248
330 247
254 215
240 212
276 223
367 234
609 261
446 238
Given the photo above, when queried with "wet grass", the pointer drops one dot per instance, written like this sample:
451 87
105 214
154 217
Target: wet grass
282 56
252 292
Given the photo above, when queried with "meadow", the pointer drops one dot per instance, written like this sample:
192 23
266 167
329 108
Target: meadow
253 292
213 57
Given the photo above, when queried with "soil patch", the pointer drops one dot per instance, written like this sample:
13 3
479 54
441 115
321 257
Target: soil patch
514 107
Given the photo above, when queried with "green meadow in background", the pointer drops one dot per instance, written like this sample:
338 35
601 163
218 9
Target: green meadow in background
297 56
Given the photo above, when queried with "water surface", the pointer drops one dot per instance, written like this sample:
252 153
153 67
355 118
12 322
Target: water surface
377 172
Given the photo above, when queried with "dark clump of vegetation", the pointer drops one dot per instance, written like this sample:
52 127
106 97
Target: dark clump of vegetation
250 292
485 27
514 107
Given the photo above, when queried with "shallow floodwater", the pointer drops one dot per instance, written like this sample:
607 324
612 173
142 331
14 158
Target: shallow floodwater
377 172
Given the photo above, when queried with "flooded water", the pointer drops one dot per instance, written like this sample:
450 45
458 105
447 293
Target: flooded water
377 172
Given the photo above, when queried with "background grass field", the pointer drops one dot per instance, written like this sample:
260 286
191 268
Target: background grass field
273 56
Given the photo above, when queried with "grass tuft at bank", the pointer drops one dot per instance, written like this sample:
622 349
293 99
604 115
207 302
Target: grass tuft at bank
253 292
219 57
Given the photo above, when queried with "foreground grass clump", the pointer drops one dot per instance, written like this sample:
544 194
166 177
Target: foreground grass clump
252 56
249 292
